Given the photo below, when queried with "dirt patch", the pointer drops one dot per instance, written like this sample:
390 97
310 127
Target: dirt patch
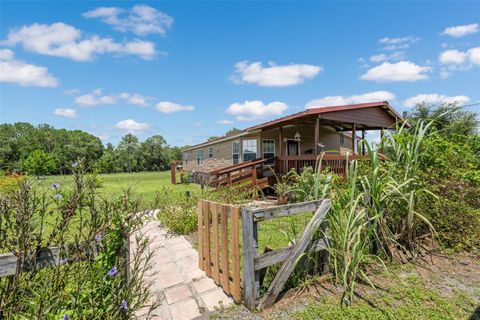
449 274
446 275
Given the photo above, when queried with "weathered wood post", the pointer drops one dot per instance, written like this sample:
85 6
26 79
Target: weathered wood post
173 172
249 294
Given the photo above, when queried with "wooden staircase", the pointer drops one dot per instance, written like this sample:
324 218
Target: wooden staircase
245 176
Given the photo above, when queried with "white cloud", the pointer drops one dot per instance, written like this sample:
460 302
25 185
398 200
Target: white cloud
434 98
62 40
225 121
67 112
455 60
255 110
6 54
141 19
398 43
24 74
103 137
452 57
132 126
474 55
399 55
274 75
73 91
399 71
96 98
344 100
170 107
462 30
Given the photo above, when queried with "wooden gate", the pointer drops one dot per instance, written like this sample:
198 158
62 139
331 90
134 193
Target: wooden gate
255 263
219 245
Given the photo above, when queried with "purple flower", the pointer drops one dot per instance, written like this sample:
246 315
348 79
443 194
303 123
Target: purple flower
75 164
55 186
124 305
65 317
112 272
57 196
63 261
98 237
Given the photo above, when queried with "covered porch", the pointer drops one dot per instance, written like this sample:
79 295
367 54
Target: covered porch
333 132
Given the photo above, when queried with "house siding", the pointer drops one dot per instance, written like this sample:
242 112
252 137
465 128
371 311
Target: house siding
222 155
222 151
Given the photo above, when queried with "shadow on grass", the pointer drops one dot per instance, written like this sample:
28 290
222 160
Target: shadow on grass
476 314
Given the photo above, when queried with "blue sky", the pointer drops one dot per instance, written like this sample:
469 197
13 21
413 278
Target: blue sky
189 70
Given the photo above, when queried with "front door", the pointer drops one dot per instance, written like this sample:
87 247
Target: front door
292 148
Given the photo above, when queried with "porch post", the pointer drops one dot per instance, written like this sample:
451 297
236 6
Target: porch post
240 151
381 141
280 149
363 142
317 134
354 137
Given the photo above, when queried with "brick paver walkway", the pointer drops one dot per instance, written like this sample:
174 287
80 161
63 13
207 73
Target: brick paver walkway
182 290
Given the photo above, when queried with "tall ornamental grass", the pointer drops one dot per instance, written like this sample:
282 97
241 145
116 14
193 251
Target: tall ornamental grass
375 210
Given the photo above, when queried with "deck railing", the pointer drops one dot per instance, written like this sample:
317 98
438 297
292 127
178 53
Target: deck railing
246 175
337 163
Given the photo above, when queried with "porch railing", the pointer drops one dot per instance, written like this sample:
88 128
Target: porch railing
337 163
246 175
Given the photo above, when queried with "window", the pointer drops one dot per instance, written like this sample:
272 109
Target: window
235 152
199 156
249 149
342 139
210 152
268 146
185 158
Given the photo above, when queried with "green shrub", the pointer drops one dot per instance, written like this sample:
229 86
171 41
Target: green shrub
178 212
186 177
456 214
310 185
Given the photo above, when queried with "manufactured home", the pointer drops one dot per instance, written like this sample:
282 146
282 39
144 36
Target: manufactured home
295 140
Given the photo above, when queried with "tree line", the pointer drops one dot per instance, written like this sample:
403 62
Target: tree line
42 149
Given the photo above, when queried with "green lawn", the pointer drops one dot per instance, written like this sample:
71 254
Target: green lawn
144 184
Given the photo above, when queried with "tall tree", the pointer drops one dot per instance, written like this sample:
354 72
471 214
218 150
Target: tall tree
154 153
128 152
232 131
449 119
38 163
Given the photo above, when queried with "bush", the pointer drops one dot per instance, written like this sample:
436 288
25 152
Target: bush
186 177
456 214
38 163
178 212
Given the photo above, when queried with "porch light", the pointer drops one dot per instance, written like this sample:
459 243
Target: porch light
297 136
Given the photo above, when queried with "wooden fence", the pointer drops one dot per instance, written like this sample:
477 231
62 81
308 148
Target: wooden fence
219 245
215 234
43 258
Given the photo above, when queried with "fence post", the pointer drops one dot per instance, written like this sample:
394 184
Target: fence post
200 235
249 288
173 172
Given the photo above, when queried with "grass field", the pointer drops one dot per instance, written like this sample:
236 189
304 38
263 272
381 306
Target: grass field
144 184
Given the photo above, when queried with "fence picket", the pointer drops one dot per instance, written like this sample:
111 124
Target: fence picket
215 262
206 239
224 246
236 254
200 236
